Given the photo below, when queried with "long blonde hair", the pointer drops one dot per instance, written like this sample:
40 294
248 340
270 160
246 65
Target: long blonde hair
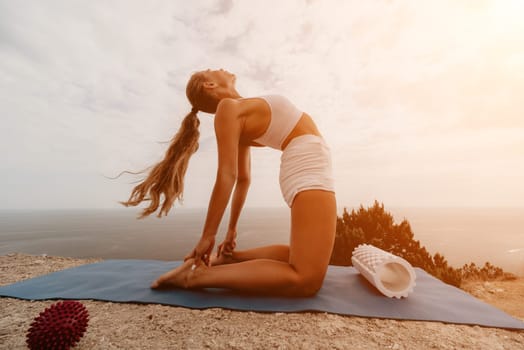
167 177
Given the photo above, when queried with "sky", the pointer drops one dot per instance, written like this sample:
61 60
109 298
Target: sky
420 101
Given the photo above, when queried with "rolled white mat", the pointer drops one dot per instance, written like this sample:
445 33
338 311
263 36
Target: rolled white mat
392 275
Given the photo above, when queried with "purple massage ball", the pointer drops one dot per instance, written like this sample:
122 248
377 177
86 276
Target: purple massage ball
59 326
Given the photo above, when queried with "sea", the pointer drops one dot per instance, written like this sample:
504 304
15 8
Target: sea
462 235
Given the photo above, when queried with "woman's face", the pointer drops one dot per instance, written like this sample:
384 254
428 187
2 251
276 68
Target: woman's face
220 77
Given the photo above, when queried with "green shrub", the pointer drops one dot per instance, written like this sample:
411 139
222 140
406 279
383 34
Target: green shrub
376 226
488 272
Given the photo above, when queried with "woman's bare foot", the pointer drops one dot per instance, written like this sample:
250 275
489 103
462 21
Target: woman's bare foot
223 259
179 277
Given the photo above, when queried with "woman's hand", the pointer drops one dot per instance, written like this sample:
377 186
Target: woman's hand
229 244
202 251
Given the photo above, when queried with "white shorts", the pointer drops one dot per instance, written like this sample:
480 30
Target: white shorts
305 165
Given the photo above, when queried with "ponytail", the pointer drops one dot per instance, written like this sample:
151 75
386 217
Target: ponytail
167 177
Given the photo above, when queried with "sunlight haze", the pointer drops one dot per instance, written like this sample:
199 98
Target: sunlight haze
420 102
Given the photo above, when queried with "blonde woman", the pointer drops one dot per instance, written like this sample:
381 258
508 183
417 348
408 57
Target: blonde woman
297 269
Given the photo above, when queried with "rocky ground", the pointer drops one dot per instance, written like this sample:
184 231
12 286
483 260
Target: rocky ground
133 326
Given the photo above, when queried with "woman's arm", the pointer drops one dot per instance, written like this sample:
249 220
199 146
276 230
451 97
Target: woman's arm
227 130
239 198
242 185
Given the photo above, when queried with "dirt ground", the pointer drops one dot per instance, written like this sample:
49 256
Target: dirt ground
133 326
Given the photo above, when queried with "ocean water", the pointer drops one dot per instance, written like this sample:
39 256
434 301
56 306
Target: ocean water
466 235
116 233
462 235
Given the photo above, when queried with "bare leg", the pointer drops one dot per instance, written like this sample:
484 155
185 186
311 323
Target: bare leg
278 252
313 222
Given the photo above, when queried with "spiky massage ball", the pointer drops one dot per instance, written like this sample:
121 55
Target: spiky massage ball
59 326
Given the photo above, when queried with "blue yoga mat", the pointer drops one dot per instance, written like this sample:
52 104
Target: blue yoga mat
344 292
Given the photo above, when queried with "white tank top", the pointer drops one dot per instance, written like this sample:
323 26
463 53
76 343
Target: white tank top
284 117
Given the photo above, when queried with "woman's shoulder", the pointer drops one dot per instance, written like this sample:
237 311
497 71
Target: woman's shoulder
240 106
229 102
228 107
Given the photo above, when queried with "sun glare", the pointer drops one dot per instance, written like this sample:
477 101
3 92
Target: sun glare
507 16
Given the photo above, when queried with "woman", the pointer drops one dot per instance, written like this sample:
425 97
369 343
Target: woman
305 180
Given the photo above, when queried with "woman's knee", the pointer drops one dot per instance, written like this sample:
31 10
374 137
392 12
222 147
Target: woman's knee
309 285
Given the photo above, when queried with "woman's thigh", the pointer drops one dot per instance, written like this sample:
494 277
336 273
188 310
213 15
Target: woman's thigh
313 225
